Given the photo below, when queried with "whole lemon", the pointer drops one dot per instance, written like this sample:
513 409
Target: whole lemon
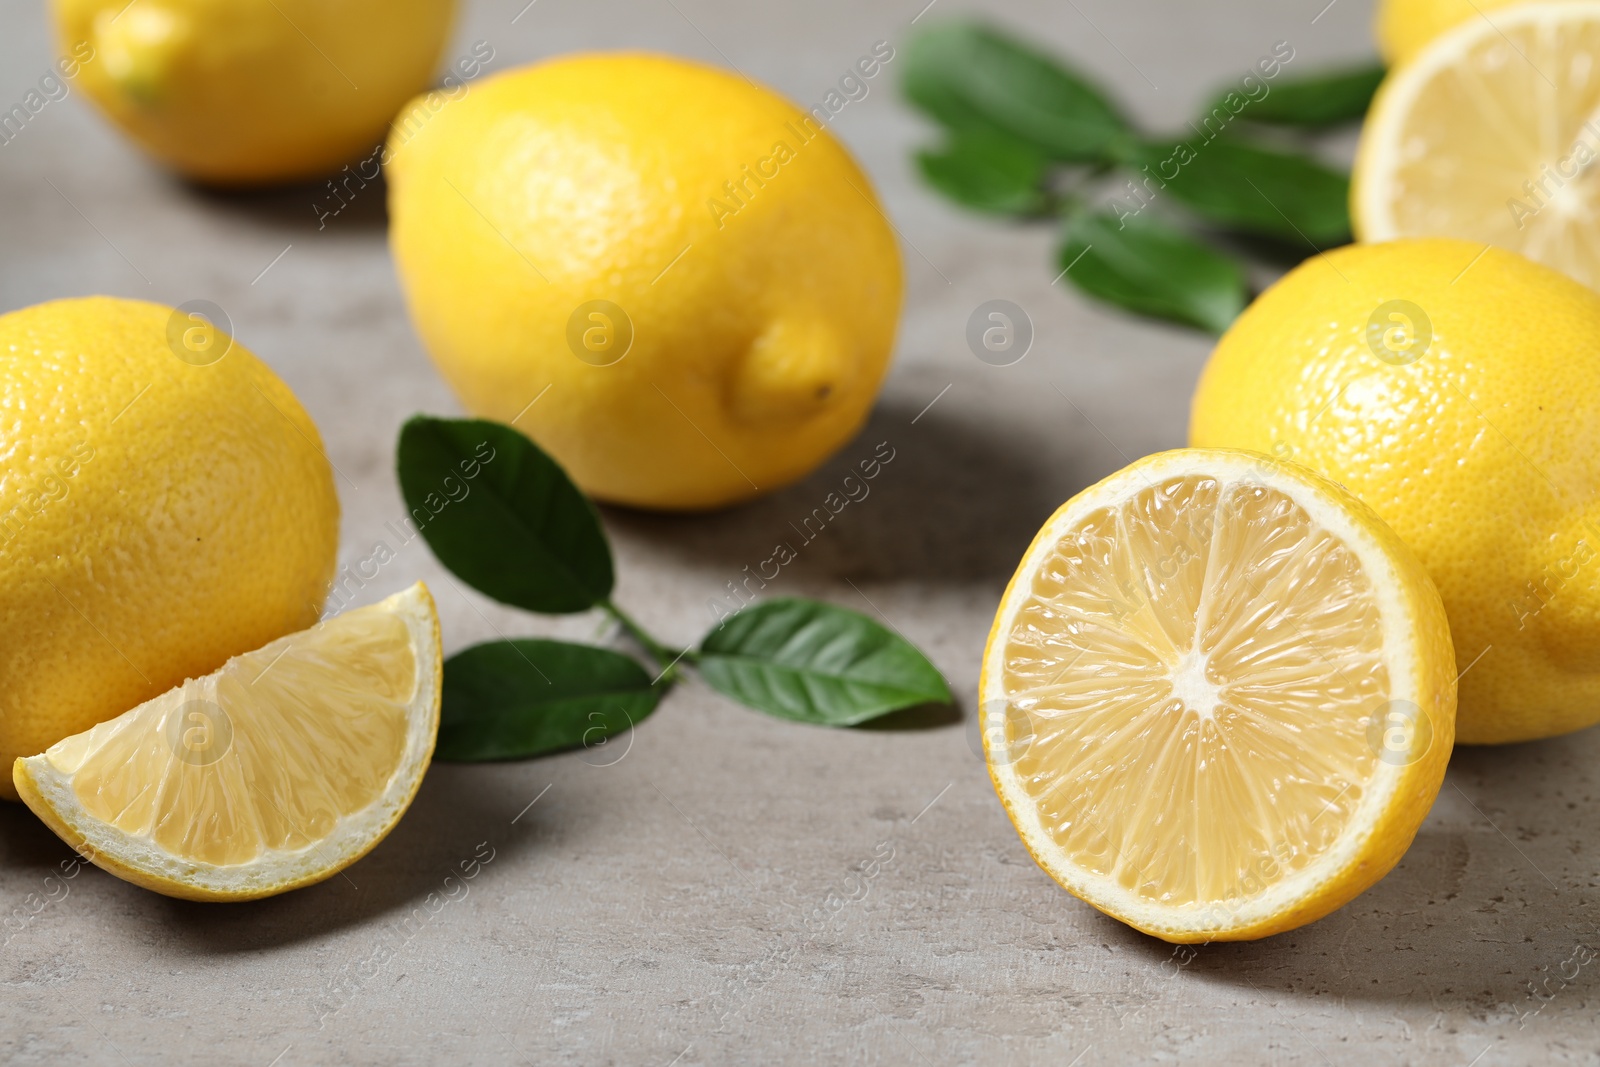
1402 27
694 269
164 505
252 91
1456 389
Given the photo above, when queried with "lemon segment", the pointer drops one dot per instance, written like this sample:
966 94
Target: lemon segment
1219 696
1490 134
279 770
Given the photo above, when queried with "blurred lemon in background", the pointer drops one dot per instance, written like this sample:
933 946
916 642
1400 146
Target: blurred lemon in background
251 91
164 505
1455 388
1491 133
1403 27
695 270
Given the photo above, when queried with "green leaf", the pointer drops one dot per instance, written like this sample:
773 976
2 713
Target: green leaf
1147 267
974 79
527 697
987 172
813 662
1255 190
1315 101
502 515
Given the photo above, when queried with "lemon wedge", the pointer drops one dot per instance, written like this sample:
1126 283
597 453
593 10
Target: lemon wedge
1219 696
280 769
1491 133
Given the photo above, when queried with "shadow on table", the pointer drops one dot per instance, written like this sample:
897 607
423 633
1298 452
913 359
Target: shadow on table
1469 920
28 844
959 502
921 717
450 831
342 202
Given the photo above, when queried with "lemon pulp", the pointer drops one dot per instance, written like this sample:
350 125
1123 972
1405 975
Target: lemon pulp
308 740
1197 734
1491 134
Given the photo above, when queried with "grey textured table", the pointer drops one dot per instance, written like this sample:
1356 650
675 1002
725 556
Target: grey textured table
659 902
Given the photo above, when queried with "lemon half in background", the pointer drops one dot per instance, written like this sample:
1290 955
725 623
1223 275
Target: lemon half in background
1491 133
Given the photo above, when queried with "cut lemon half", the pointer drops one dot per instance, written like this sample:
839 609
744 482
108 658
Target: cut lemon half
1491 133
279 770
1219 696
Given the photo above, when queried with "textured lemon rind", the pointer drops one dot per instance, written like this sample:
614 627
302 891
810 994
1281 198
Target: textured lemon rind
1421 665
168 487
751 361
49 793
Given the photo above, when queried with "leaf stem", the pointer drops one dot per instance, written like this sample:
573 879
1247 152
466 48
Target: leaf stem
666 658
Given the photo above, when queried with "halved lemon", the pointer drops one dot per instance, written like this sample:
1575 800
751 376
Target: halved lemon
1219 696
280 769
1491 133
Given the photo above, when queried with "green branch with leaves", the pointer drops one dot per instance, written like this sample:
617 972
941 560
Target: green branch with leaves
524 534
1026 137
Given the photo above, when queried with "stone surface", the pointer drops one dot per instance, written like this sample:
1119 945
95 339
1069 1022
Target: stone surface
652 904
